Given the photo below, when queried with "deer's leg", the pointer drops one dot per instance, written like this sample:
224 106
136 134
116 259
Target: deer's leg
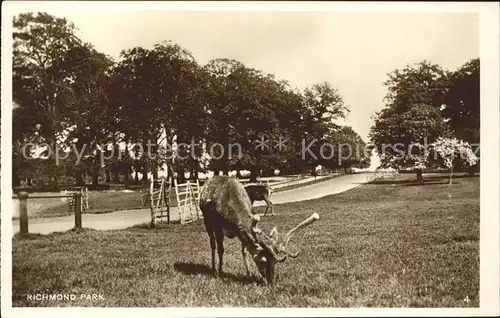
219 237
269 204
211 235
245 260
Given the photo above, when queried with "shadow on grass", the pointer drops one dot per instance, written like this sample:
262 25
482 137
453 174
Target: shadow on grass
188 268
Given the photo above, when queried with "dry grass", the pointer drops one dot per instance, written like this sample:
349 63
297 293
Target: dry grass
391 244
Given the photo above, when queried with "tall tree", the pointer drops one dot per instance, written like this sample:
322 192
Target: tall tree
90 114
323 107
462 105
412 117
347 150
462 102
418 83
156 97
40 78
222 110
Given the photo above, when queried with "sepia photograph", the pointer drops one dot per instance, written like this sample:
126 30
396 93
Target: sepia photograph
249 158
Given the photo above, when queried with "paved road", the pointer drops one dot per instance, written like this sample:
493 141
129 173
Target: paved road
124 219
319 190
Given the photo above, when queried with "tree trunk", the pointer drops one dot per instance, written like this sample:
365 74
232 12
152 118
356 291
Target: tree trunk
181 178
54 182
254 173
95 176
144 172
313 172
450 176
116 176
137 175
419 176
79 178
193 174
471 171
16 181
95 172
108 176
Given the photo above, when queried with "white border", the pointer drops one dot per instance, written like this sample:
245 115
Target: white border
489 225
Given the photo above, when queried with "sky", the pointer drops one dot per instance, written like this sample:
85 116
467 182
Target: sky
353 51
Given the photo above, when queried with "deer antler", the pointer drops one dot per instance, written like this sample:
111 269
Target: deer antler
302 225
290 233
263 240
255 220
270 243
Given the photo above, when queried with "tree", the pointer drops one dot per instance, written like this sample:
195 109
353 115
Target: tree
41 86
40 78
156 98
323 106
418 83
462 104
90 111
350 151
400 138
243 105
451 149
412 118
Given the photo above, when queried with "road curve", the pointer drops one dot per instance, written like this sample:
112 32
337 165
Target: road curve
319 190
125 219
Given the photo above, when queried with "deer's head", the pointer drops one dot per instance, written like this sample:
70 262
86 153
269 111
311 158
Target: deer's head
274 247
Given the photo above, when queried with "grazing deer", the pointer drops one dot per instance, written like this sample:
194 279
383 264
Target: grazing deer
227 211
260 192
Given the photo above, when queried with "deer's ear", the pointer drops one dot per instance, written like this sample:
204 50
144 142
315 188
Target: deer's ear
274 233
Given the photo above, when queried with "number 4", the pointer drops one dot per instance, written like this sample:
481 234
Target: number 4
466 299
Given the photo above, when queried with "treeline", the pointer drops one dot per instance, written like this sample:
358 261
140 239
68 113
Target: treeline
88 106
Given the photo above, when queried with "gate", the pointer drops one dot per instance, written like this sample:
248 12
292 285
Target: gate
188 199
159 198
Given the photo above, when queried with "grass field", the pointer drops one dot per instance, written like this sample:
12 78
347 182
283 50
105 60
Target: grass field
386 244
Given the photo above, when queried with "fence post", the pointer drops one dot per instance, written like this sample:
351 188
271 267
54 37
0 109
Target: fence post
78 210
23 212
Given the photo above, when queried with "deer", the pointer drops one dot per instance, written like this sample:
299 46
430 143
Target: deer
227 211
260 192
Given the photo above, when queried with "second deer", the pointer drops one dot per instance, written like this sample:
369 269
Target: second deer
261 192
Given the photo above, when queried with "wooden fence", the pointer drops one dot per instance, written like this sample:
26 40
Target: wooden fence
188 201
23 208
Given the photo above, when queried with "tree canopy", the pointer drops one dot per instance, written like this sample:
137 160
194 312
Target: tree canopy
156 107
425 104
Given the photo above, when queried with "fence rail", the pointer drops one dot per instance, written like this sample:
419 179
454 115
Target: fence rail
23 208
